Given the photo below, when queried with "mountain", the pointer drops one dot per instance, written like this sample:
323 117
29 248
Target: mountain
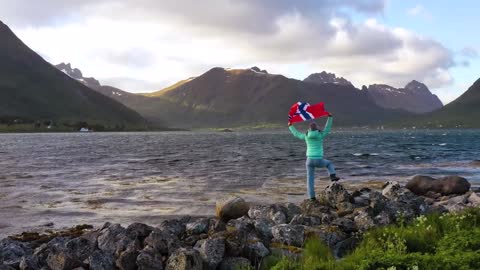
33 89
233 97
324 77
462 112
414 97
76 74
152 108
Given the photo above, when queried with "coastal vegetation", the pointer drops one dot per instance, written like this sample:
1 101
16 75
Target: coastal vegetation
435 241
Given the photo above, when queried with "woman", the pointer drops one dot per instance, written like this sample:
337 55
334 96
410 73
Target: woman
314 140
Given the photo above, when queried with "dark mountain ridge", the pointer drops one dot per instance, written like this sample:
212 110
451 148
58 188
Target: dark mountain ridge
31 88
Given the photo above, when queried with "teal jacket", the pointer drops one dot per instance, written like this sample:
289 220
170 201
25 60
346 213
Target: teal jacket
314 139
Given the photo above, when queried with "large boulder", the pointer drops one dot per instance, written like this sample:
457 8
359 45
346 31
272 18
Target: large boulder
11 252
315 208
231 208
212 251
162 242
275 212
99 260
173 226
127 259
292 235
330 235
29 263
113 237
62 261
306 220
138 231
185 259
149 259
198 226
255 249
338 196
474 199
421 185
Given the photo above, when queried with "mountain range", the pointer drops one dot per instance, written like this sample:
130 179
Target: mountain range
31 89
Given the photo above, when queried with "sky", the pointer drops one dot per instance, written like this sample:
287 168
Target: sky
146 45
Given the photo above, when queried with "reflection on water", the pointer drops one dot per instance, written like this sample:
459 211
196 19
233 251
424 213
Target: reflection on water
125 177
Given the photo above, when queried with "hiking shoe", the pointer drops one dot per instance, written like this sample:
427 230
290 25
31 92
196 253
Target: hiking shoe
334 178
313 199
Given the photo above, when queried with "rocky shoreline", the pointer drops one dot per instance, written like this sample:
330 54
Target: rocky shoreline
241 235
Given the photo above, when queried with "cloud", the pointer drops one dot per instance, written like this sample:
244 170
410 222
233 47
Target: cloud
420 11
469 52
133 84
166 41
135 57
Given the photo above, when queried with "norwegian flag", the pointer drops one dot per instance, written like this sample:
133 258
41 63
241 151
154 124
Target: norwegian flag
302 111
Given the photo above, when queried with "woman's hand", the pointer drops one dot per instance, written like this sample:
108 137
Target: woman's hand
289 124
330 115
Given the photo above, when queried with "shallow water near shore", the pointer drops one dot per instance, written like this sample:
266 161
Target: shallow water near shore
73 178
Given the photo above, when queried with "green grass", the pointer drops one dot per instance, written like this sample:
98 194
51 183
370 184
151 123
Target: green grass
447 241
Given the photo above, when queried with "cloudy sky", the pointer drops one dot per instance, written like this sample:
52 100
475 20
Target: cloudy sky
145 45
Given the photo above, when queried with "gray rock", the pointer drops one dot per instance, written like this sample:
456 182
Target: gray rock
80 248
99 260
335 194
278 217
235 263
306 220
292 210
315 208
383 218
53 246
162 242
474 199
243 224
138 231
6 267
113 237
148 259
199 226
432 194
292 235
231 208
363 221
62 261
378 202
345 224
212 251
191 240
421 184
11 252
185 259
127 259
259 211
392 190
29 263
217 225
330 235
174 226
275 212
255 249
263 227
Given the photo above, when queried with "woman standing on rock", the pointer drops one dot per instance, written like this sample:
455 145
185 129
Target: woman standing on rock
314 140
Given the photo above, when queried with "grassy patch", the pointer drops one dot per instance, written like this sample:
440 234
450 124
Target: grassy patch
437 241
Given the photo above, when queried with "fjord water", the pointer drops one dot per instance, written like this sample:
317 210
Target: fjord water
74 178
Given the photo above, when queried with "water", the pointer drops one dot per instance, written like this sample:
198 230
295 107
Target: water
78 178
